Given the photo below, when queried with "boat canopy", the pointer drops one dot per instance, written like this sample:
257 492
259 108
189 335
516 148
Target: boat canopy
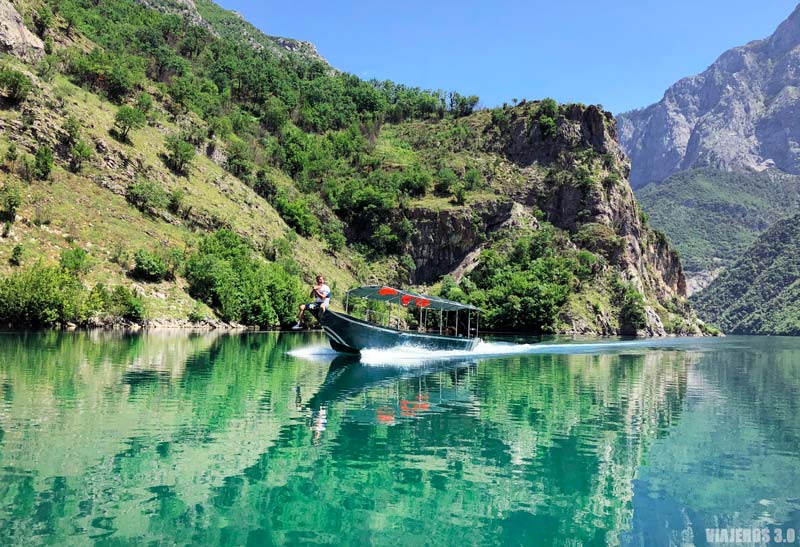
408 299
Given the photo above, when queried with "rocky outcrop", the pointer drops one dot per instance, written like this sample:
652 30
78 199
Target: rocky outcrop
15 38
575 180
443 239
738 114
230 24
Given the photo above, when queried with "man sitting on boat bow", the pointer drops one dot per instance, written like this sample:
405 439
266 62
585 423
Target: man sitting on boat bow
321 294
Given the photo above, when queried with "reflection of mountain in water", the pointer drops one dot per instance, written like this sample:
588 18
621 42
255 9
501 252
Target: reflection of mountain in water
522 449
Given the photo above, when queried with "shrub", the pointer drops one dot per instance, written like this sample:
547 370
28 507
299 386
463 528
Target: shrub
42 19
124 303
180 154
632 310
150 266
75 261
80 153
10 199
16 85
40 296
144 103
445 180
43 162
459 194
176 200
147 196
197 315
548 107
240 163
548 127
11 153
16 255
297 214
473 179
72 129
128 119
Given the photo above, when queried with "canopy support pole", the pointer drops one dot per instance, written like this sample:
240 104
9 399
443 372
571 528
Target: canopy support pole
441 315
456 333
477 323
469 317
346 302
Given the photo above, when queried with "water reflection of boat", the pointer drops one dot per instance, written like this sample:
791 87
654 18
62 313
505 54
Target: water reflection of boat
347 377
382 329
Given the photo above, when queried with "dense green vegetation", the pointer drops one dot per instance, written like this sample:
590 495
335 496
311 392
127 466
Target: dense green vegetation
759 292
267 111
525 280
42 295
224 274
713 216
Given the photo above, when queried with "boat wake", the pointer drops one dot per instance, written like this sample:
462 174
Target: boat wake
415 355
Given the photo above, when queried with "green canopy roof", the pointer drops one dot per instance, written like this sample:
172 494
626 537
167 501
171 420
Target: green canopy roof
409 299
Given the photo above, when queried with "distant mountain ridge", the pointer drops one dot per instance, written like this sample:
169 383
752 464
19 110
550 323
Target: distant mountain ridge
760 292
738 114
713 216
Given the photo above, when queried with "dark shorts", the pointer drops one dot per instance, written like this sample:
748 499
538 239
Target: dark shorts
313 305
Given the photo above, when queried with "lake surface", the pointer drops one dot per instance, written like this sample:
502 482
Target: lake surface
259 439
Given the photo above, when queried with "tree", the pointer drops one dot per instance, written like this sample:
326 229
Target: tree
181 153
43 162
127 120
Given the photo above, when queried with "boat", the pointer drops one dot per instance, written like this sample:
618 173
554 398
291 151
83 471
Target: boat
440 324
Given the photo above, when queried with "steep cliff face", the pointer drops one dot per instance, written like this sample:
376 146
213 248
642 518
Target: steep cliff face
573 177
738 114
15 38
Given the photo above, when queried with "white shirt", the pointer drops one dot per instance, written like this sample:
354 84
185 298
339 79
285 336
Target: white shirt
326 290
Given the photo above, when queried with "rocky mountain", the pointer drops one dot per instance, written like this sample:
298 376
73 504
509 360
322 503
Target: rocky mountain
206 176
15 38
713 216
738 114
231 25
760 292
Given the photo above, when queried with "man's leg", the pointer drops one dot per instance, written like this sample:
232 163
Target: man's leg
300 315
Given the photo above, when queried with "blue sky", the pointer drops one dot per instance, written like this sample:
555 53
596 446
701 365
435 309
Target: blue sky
621 54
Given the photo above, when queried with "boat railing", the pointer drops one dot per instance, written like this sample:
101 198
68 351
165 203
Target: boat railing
458 323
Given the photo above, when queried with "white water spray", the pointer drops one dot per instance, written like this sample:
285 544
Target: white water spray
415 355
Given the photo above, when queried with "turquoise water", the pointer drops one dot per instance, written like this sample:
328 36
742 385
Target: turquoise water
259 439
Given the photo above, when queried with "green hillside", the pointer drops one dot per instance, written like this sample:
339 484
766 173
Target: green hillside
155 169
759 293
712 216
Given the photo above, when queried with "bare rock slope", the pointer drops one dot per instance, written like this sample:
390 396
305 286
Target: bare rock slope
15 38
738 114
